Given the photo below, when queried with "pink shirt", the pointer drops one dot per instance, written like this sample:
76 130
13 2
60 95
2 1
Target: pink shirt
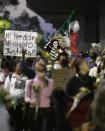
45 93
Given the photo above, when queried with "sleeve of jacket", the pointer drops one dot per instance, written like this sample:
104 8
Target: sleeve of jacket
69 91
27 70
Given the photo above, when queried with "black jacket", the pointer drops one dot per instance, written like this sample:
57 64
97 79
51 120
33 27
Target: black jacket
76 82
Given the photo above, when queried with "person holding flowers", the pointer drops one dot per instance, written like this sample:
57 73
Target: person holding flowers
79 91
37 94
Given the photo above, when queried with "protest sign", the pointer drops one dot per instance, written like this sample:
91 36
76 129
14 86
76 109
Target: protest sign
18 40
61 77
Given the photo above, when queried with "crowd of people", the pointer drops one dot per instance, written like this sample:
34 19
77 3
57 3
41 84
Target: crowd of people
39 106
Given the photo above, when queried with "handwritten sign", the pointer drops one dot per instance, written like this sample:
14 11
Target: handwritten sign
18 40
61 77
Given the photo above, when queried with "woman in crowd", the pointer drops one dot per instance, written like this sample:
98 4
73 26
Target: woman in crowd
78 118
97 114
3 74
45 87
61 62
100 68
15 85
94 71
91 59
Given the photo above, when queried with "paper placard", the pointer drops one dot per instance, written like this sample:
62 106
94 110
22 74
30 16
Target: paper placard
17 40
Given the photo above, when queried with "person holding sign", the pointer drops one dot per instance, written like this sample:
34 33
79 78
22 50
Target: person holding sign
28 70
25 69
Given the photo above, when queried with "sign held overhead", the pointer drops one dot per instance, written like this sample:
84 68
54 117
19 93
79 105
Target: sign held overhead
18 40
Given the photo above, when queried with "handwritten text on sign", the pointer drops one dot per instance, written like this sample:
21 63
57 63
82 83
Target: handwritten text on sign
17 40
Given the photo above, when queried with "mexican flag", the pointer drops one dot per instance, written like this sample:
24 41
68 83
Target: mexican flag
69 30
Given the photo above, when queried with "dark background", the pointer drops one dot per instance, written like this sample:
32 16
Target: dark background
90 13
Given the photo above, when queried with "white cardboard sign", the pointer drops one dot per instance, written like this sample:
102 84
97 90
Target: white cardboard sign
18 40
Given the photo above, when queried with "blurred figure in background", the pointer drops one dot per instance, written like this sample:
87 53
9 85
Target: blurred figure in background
91 59
61 62
27 67
27 70
4 73
56 65
5 103
98 108
4 119
15 85
94 71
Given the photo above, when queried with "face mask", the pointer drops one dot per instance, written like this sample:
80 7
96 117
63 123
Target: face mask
98 63
56 66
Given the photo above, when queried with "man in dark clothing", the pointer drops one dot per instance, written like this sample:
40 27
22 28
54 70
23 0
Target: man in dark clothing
26 69
26 66
58 104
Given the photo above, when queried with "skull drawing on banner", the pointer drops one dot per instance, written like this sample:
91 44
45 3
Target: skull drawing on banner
54 48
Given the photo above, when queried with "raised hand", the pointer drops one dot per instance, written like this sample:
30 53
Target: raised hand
23 53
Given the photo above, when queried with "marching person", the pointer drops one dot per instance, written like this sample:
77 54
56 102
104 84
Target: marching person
96 112
37 94
78 118
94 71
26 69
15 85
